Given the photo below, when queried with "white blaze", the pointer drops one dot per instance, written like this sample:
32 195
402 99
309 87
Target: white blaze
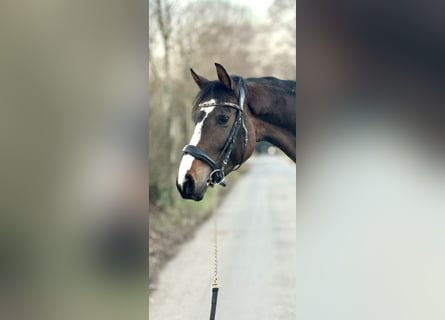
187 160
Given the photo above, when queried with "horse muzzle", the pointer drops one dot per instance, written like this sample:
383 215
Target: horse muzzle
189 188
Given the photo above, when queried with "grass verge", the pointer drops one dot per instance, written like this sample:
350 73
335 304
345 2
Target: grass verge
172 227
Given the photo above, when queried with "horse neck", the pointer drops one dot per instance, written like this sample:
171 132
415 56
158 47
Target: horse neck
273 109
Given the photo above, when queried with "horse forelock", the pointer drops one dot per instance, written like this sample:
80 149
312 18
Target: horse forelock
213 90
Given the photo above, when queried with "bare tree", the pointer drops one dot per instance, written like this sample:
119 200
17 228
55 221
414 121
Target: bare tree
160 34
163 13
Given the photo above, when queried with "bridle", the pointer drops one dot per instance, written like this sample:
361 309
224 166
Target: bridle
217 175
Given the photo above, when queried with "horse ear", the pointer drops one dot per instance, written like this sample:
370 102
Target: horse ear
200 81
223 76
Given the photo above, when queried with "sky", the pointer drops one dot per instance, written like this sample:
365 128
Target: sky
258 7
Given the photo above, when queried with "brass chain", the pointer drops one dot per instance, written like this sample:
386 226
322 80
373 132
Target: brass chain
215 279
215 252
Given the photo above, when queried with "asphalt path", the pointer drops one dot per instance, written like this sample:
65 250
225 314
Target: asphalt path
257 257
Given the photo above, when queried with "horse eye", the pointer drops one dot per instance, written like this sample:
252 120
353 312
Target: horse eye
222 119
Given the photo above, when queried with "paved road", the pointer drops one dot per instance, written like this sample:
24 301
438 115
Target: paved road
257 241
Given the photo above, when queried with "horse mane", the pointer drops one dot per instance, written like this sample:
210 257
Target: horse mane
273 100
275 84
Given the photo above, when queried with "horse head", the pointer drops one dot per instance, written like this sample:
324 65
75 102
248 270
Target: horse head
223 138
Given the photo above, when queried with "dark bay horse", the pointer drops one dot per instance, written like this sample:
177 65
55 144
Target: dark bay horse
231 114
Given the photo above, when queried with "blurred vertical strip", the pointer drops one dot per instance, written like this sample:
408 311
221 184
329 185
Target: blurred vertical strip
371 170
74 159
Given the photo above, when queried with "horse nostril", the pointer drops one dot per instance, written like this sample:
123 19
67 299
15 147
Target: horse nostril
188 187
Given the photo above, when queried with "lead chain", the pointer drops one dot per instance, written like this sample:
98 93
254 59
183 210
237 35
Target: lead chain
215 252
215 279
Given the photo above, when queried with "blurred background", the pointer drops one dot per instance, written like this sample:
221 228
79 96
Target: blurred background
75 82
250 39
74 175
370 165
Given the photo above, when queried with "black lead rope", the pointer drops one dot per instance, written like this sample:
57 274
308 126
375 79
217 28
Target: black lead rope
214 299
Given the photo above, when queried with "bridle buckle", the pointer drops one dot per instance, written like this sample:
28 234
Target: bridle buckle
216 177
